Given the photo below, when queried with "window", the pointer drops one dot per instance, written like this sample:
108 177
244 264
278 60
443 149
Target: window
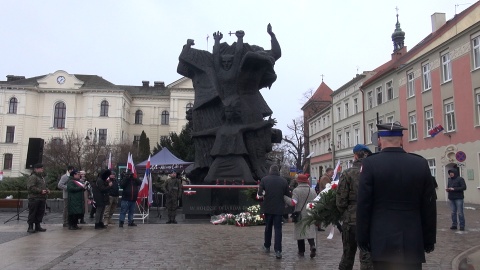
389 90
428 120
370 131
478 107
10 134
59 115
370 100
355 106
356 134
165 118
12 105
347 139
449 116
102 136
138 117
189 106
346 110
390 119
412 119
339 113
427 77
104 108
410 84
476 52
339 140
379 95
136 140
7 161
446 67
433 168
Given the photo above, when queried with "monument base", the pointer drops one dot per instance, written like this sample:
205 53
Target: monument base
215 200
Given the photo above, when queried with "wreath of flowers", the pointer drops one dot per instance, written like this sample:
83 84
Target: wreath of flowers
249 218
323 211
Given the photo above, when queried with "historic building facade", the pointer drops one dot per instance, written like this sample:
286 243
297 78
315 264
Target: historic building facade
59 103
436 83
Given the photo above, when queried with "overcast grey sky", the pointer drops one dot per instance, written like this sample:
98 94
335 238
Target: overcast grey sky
126 42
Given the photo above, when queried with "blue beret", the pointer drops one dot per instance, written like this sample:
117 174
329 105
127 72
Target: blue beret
361 147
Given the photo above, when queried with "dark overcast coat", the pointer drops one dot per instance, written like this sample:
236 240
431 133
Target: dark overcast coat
396 206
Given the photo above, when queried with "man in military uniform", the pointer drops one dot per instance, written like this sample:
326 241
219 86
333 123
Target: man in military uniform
347 204
396 204
173 189
37 197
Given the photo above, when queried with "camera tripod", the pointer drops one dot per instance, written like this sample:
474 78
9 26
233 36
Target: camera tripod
18 216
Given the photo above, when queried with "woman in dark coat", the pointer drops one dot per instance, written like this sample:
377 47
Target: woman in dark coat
101 189
76 201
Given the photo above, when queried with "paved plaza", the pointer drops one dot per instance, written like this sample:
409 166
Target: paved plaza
197 244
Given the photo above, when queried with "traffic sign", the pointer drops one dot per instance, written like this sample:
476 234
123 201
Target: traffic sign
461 156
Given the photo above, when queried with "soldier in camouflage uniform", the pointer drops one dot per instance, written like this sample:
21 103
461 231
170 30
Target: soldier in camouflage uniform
173 189
37 196
347 204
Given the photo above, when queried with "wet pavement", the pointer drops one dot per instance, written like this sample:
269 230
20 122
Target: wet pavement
197 244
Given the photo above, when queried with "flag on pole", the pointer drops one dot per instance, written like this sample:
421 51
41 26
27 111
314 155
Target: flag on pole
435 130
146 187
336 172
109 165
131 166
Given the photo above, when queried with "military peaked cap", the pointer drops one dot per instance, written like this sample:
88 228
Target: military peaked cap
390 130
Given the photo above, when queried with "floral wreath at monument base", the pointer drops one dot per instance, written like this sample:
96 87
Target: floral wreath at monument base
251 217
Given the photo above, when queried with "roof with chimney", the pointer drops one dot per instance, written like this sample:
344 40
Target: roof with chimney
323 93
95 82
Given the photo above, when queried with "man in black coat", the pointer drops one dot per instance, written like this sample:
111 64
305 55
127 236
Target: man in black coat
130 186
272 187
396 205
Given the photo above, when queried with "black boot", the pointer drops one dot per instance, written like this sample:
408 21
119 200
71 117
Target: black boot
102 225
132 224
174 221
39 228
97 226
169 221
82 221
120 224
30 228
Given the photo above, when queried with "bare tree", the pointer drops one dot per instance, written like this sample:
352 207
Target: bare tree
296 142
90 156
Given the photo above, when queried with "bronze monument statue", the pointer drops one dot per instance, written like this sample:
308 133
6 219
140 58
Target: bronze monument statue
230 134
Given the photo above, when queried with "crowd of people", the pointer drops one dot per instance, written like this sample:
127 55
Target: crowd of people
101 196
387 201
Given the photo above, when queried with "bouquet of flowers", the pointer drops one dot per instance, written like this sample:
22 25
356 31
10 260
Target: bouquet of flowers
324 210
243 219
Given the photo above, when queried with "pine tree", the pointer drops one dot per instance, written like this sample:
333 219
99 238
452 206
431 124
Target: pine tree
143 146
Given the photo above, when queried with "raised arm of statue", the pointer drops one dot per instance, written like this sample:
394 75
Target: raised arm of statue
276 51
237 58
217 36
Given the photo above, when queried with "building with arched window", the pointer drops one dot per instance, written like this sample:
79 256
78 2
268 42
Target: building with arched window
53 105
